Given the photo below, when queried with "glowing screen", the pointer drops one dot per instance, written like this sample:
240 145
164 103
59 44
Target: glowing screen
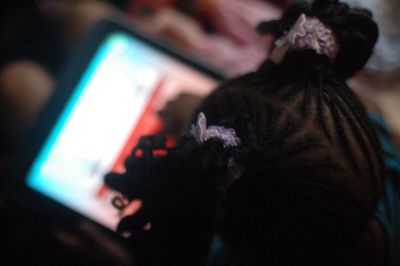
114 103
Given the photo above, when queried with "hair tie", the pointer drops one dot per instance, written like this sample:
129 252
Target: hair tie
310 33
228 137
202 133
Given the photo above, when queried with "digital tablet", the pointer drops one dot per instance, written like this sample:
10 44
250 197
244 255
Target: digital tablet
108 97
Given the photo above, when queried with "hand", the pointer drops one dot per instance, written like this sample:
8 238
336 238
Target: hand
177 218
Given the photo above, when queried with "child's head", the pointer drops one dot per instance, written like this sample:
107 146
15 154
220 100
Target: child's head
308 167
313 169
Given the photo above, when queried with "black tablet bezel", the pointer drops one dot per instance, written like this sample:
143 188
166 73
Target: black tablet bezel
50 113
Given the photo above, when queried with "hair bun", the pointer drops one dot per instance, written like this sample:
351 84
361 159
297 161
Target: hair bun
355 31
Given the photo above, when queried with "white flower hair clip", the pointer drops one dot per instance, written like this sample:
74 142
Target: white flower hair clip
202 133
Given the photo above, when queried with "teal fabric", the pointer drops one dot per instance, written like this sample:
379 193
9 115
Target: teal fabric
388 210
219 255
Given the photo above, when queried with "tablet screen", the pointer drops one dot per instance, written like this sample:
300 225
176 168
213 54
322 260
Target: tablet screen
112 105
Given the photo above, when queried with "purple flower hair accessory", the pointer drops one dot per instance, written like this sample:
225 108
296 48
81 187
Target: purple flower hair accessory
311 33
229 139
202 133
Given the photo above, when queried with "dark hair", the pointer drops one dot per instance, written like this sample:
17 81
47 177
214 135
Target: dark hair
313 170
354 30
